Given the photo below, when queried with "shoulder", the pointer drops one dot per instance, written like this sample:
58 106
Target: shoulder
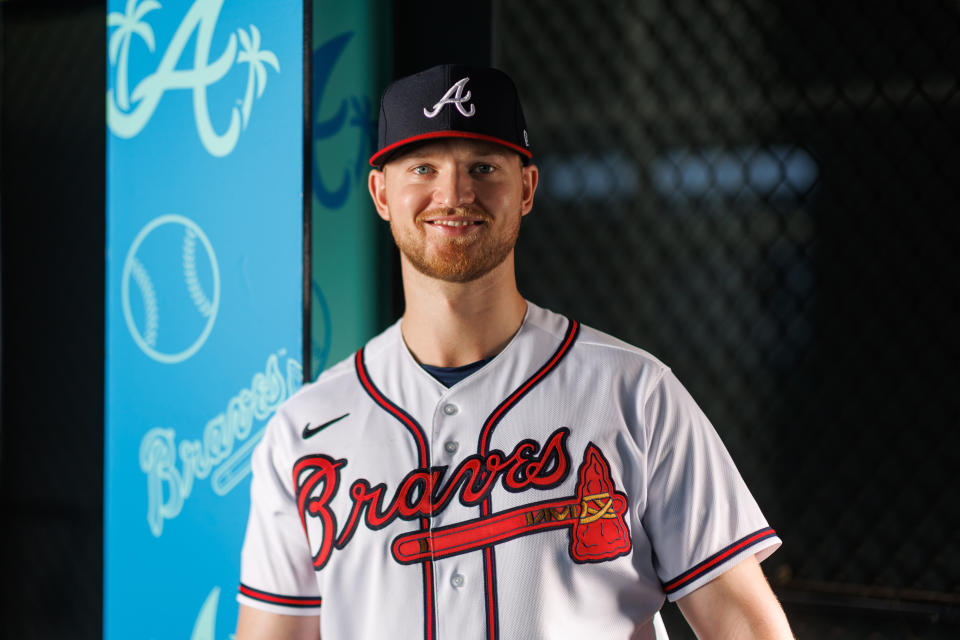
594 350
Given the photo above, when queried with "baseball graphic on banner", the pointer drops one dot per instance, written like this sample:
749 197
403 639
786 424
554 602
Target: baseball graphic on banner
170 288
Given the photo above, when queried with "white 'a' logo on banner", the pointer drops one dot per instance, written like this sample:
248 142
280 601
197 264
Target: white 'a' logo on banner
128 112
454 96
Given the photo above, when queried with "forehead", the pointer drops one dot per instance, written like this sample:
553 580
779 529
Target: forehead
458 148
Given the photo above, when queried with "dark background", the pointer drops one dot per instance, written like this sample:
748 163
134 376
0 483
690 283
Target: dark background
764 194
814 320
52 137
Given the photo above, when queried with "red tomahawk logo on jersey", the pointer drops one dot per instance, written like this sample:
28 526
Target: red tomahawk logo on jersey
594 516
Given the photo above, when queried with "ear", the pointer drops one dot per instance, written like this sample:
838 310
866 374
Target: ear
376 183
529 178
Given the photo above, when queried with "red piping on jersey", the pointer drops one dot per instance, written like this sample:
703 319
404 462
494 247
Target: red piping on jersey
506 405
428 606
290 601
489 558
490 581
420 436
394 410
738 546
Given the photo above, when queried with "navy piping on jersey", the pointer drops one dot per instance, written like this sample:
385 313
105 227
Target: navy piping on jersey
737 547
423 451
486 508
273 598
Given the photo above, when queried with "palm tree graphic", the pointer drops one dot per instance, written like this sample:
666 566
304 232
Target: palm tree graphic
252 55
128 23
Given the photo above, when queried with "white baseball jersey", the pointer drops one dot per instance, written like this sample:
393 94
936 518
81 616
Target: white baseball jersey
562 491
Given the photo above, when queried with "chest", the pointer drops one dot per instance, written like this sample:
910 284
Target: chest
458 477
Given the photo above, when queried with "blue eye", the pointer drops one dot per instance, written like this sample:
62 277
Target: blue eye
422 170
484 168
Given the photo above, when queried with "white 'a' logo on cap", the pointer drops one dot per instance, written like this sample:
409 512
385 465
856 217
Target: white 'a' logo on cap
454 95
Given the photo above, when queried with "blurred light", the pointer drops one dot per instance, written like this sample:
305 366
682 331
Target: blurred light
778 171
582 176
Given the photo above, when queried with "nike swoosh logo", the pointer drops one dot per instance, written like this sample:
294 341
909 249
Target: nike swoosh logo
310 431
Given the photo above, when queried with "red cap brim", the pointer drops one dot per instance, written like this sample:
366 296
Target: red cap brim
377 159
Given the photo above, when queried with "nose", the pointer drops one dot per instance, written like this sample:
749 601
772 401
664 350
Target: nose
454 188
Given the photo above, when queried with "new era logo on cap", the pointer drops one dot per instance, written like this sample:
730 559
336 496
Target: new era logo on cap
451 101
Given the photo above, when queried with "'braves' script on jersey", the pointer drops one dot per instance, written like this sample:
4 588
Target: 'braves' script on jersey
423 492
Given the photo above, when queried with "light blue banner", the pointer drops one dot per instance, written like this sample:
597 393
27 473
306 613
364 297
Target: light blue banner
204 272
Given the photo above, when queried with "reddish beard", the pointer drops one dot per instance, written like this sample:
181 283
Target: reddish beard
461 258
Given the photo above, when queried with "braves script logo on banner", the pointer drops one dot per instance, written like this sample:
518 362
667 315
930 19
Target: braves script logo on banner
454 96
594 516
224 450
128 112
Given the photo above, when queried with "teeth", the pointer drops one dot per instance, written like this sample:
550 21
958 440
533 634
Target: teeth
452 223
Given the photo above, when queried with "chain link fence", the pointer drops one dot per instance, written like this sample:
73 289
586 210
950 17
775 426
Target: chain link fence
764 195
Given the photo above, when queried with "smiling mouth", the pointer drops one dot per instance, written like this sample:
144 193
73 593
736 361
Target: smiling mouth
454 223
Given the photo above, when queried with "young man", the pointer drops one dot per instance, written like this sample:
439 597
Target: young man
486 468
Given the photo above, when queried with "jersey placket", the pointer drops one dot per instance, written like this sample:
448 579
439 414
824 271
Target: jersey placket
463 580
458 579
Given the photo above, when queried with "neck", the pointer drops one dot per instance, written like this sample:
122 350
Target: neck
450 324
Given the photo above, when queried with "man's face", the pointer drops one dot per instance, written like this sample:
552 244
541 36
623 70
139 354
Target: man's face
454 206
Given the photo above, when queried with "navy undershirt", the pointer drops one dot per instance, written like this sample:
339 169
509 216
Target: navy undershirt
449 376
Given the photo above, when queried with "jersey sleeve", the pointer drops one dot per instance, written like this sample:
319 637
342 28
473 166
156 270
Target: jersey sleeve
276 571
699 514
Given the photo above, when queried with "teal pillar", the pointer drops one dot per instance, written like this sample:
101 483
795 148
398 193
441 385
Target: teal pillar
351 65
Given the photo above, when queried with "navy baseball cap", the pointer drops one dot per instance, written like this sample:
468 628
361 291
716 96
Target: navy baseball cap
451 101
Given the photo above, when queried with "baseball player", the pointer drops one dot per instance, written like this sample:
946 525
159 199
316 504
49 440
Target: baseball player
485 468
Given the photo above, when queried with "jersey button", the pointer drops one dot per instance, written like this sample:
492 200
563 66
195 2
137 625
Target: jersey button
451 446
457 580
451 409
